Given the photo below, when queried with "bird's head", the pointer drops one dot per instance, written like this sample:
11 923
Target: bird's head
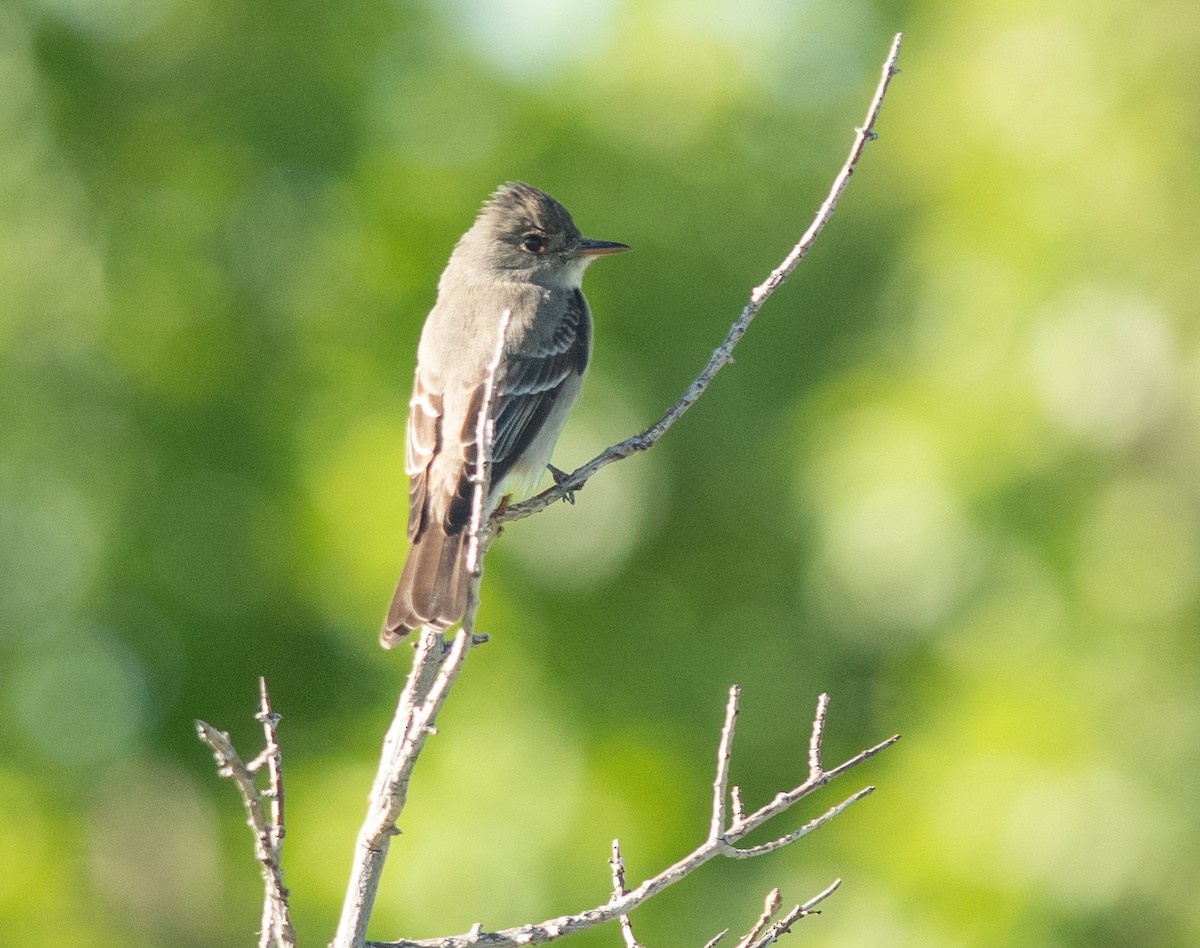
526 234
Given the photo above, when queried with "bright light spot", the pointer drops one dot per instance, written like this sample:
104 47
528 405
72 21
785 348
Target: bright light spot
1103 365
899 556
1082 838
1040 89
582 546
1019 611
82 702
516 829
48 553
885 919
896 550
152 852
529 39
760 34
1137 554
116 20
967 843
868 449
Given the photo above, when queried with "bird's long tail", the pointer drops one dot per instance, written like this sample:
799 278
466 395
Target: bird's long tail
433 586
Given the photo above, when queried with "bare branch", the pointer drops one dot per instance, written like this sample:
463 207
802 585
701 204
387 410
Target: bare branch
266 823
723 354
433 672
821 896
618 882
798 912
722 845
760 935
735 798
858 758
770 906
274 758
484 435
716 827
814 740
275 908
783 801
804 830
434 669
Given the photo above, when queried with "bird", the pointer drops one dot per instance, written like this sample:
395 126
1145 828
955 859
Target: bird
520 266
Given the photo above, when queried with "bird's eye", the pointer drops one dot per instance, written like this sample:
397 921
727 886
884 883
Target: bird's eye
534 243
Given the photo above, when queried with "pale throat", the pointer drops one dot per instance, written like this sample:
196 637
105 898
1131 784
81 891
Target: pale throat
569 276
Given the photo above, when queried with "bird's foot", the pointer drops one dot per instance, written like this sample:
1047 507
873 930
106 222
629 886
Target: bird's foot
495 527
559 478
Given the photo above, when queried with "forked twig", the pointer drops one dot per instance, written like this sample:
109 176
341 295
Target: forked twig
770 906
760 935
722 843
264 814
617 864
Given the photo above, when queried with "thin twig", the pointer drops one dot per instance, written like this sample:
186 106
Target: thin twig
274 760
814 740
722 845
760 935
735 800
827 775
266 822
275 909
721 781
770 906
484 435
617 864
804 830
782 801
798 912
781 927
723 354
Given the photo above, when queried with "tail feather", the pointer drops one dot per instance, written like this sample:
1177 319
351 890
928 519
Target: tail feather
433 586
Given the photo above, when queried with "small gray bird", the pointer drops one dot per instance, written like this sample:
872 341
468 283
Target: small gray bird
525 256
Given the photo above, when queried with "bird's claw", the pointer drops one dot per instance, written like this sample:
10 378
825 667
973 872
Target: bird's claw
560 477
505 503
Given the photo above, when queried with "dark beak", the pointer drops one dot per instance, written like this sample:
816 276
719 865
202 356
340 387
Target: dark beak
595 248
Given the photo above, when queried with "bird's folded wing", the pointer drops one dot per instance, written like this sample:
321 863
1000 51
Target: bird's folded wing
530 386
423 442
527 386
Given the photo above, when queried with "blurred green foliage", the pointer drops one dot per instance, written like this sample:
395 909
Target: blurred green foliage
951 479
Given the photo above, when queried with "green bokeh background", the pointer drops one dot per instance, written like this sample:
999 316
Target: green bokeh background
951 479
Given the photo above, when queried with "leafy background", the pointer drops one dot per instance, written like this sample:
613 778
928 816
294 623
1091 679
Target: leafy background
951 479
